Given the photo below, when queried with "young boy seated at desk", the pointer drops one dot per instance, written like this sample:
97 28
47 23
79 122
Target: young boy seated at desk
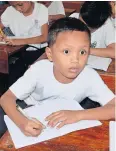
65 75
28 21
96 15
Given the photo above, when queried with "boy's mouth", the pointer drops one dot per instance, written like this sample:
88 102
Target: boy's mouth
74 70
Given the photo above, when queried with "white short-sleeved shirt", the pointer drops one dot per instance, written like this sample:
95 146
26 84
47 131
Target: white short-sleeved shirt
56 7
113 22
39 83
26 26
101 38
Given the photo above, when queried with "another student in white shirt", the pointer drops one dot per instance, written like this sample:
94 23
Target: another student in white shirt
55 10
96 15
65 75
113 17
29 23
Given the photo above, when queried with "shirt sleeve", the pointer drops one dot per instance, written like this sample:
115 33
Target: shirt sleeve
5 17
43 15
25 85
109 31
99 91
60 8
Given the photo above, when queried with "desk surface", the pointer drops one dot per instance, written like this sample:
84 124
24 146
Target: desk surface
5 52
91 139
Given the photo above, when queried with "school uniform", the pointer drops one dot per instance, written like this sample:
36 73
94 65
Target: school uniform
39 84
27 27
55 8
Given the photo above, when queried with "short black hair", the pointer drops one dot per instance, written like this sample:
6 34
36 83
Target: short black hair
63 25
95 13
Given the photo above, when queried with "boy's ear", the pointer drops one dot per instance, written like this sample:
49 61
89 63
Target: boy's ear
49 53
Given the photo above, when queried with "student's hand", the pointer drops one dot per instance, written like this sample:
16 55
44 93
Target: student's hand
2 38
14 42
32 127
63 117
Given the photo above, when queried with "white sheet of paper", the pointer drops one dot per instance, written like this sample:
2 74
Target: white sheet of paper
2 43
40 112
112 132
99 62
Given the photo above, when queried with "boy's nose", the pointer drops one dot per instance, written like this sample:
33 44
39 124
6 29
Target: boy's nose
75 58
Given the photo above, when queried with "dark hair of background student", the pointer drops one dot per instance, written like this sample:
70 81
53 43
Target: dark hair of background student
95 13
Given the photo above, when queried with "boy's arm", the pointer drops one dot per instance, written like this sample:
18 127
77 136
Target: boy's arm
64 117
55 17
1 25
28 127
8 103
34 40
105 112
108 52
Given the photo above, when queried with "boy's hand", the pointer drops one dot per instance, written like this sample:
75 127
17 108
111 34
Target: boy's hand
14 42
32 127
2 38
63 117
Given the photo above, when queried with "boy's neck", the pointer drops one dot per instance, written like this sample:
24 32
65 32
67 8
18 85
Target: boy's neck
30 10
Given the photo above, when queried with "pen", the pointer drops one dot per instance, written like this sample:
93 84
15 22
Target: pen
23 112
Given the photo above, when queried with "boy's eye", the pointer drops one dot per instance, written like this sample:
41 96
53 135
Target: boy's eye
83 52
66 51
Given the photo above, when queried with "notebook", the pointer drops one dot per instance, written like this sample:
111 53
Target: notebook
100 63
40 112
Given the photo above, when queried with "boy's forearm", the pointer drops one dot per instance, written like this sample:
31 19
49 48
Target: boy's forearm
103 52
34 40
106 112
8 104
55 17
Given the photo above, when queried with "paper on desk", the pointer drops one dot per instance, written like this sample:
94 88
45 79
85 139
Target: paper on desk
99 62
2 43
40 112
112 132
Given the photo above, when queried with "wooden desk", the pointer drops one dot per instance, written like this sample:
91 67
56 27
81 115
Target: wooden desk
92 139
5 52
109 76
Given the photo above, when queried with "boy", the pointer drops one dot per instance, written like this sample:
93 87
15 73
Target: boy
64 72
26 21
96 15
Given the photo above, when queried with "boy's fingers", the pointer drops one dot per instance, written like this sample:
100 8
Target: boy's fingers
55 121
38 122
34 132
61 124
52 116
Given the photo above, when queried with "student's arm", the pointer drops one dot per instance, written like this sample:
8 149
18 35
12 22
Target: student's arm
64 117
108 52
1 25
106 112
8 103
33 40
1 36
55 17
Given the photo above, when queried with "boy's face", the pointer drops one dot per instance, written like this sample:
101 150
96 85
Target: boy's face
69 54
22 6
